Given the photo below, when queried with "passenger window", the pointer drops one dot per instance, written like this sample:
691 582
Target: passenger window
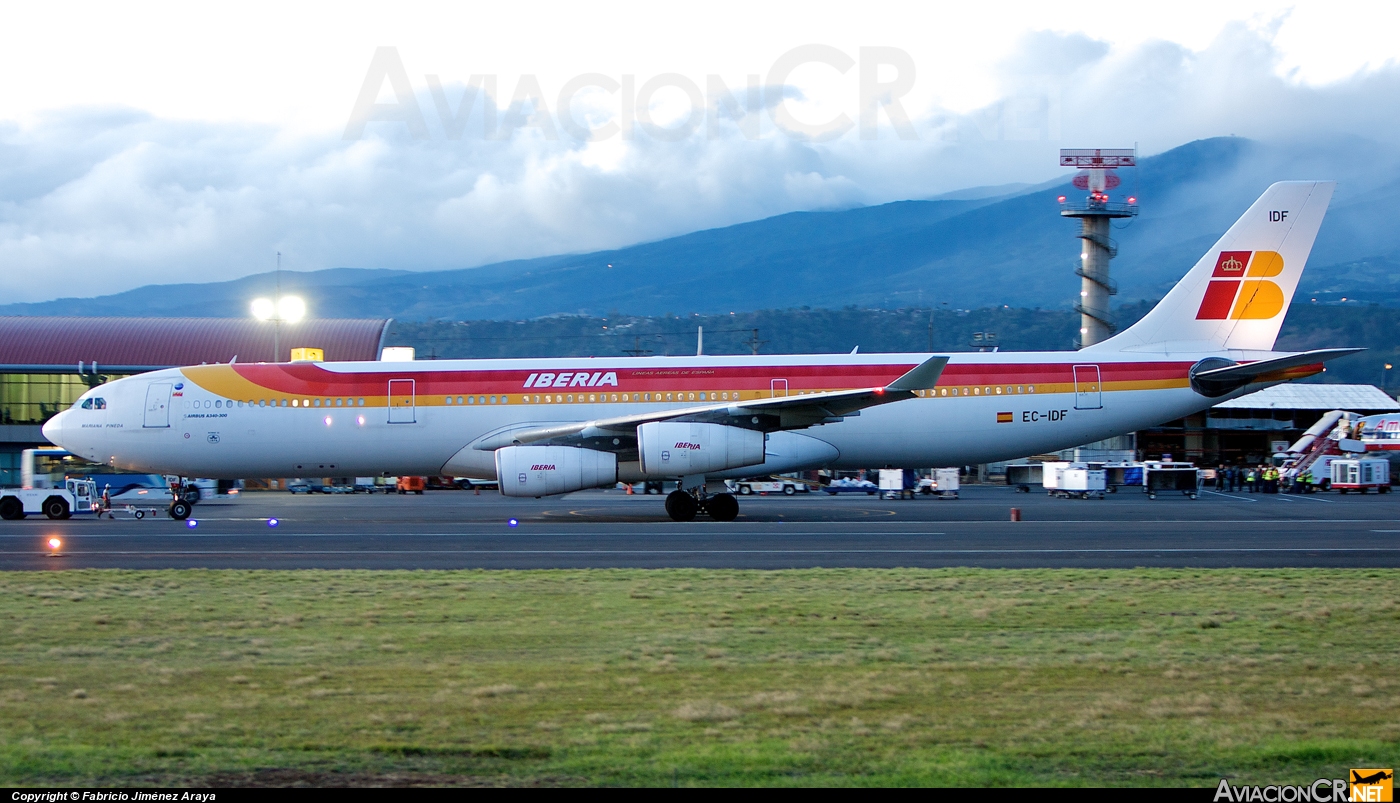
339 402
362 402
471 400
318 403
459 399
447 400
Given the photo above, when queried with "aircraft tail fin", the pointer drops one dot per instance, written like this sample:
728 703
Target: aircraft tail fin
1236 296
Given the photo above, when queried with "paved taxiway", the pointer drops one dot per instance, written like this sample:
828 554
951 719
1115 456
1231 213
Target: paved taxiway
454 529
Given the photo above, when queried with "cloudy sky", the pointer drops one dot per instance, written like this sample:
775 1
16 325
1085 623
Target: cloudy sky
154 143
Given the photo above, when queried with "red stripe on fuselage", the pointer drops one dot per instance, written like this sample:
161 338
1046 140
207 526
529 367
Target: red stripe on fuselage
313 380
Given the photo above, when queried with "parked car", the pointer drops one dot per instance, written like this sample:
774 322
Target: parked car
299 487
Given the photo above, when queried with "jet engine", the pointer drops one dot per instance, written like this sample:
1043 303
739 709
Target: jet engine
670 448
547 470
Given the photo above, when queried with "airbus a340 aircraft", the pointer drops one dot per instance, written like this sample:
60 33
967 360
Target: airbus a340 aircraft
550 426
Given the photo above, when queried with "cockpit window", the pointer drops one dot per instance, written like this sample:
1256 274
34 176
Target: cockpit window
87 404
94 403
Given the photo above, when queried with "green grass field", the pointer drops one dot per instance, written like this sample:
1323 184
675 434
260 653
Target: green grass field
690 677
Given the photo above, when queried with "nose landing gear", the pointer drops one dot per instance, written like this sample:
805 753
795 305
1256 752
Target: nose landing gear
684 505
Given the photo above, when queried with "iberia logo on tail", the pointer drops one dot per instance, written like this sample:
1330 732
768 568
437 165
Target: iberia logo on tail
1239 288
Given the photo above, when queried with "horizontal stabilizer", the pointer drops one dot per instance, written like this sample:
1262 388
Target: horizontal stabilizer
1214 382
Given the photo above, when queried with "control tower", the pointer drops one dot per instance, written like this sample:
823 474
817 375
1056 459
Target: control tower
1098 175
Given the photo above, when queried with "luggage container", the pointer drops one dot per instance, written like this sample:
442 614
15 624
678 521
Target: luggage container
1082 483
948 483
898 483
1120 475
1050 475
1361 475
1023 475
1168 477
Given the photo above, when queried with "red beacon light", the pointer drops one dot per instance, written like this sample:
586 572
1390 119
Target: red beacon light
1061 199
1132 199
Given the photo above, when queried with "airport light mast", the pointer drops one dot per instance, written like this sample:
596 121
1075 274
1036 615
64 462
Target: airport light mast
1098 176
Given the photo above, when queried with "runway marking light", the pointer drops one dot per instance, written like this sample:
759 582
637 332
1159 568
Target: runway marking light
191 524
272 522
513 522
55 544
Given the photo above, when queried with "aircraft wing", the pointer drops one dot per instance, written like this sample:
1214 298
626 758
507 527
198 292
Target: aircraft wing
1219 381
619 434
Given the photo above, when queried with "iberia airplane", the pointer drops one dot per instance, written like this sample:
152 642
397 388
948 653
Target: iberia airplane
550 426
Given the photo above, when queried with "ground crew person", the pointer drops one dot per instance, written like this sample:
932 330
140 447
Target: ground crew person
1251 478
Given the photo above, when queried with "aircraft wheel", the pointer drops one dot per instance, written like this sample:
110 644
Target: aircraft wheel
179 511
722 507
681 506
56 508
11 509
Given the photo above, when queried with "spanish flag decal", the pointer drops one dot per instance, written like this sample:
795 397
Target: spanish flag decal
1004 418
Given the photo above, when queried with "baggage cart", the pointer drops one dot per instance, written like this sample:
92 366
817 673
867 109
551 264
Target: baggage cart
1117 476
1082 483
948 483
1022 476
1050 475
1164 479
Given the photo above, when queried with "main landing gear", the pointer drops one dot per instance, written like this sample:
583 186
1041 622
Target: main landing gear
684 505
182 499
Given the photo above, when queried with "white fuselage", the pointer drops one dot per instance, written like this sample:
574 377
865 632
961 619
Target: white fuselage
384 418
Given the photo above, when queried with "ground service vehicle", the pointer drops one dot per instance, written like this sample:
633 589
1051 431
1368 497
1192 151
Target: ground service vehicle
1361 475
76 496
411 485
551 426
768 485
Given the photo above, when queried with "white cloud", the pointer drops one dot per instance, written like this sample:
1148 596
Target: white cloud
101 199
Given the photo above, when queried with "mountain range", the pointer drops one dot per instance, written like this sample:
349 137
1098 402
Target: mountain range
977 248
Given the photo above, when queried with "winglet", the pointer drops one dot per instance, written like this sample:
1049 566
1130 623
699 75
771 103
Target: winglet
921 377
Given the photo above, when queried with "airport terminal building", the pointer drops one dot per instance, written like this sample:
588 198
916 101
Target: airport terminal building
47 363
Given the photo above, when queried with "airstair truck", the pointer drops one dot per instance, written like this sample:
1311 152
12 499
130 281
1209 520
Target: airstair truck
76 496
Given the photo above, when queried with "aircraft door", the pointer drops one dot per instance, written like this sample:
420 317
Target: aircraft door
401 402
157 405
779 387
1088 393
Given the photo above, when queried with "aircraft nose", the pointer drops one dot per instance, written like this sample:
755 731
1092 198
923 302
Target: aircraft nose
53 428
